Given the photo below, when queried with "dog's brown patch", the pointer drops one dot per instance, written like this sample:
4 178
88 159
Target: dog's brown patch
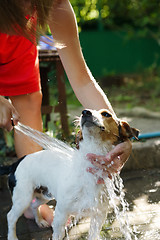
113 130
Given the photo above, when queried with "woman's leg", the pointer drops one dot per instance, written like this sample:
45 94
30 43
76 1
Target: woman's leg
29 109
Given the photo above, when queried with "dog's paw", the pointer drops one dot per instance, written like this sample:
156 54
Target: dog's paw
43 223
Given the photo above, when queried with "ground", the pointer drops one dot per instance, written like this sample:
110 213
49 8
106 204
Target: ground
142 189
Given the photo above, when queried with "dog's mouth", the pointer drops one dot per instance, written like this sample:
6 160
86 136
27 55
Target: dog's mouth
91 121
88 123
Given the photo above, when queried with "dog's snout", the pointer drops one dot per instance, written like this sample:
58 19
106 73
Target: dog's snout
87 118
86 113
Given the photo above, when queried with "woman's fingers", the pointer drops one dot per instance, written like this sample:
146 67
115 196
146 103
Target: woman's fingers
120 154
112 162
103 163
7 112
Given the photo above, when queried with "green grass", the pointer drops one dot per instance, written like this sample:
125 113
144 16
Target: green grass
142 91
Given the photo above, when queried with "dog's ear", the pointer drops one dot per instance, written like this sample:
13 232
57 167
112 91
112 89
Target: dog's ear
79 138
126 131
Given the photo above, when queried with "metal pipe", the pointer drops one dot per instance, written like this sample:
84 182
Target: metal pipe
149 135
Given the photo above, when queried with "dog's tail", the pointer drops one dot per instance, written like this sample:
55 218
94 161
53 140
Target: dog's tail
6 170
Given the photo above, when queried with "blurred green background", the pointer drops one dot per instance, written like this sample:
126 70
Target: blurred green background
119 36
121 44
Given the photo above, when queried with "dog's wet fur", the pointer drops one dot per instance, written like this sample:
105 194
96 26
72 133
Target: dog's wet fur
52 174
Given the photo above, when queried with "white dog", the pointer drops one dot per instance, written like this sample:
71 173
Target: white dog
62 175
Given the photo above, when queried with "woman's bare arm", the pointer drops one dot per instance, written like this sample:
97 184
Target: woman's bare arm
64 29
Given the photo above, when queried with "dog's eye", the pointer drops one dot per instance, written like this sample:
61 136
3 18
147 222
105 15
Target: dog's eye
106 114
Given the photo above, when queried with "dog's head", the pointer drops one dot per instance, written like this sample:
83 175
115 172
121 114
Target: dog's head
104 126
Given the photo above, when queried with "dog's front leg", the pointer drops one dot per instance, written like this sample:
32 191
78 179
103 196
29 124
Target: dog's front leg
97 220
58 224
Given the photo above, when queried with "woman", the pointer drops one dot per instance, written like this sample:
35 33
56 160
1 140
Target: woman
62 22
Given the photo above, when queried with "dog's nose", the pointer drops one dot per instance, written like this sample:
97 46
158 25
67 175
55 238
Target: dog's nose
86 113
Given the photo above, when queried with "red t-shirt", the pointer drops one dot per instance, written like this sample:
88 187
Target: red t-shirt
19 66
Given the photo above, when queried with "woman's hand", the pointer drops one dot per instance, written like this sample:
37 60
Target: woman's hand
112 163
7 112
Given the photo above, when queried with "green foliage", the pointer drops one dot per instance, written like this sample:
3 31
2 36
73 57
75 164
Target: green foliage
6 144
86 12
143 15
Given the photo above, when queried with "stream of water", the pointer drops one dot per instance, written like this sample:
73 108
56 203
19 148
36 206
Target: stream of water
116 193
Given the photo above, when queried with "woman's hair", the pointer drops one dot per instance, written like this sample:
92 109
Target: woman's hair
17 16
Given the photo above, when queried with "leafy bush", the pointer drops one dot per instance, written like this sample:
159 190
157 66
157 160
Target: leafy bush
115 14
